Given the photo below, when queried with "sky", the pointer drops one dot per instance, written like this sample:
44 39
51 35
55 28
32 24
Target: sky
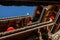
10 11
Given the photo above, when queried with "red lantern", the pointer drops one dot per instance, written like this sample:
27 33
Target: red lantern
37 12
52 17
10 29
30 22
